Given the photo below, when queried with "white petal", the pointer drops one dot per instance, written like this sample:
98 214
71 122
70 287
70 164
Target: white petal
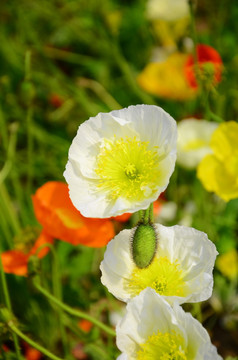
148 314
193 130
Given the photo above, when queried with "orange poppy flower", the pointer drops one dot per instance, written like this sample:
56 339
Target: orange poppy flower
122 218
32 353
210 65
15 261
56 213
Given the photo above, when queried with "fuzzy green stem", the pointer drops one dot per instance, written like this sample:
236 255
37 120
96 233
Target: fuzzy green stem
9 307
148 215
32 343
71 311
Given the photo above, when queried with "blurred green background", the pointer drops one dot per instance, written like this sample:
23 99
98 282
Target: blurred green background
60 63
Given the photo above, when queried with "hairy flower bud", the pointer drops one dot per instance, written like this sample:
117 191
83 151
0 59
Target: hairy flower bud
144 245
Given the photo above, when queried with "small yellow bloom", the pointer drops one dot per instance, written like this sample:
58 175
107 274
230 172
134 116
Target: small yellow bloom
166 79
228 264
218 172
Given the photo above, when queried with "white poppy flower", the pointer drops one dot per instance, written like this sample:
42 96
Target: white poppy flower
121 161
169 10
194 141
181 270
152 329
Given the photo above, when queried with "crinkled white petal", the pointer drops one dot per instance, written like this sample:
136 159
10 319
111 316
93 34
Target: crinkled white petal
194 131
189 247
148 314
145 122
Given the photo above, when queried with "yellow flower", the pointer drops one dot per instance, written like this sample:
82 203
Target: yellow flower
218 172
228 264
166 79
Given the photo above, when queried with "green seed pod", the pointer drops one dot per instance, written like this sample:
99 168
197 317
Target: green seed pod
144 245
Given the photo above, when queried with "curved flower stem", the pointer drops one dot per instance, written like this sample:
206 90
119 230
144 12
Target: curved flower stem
71 311
9 307
57 291
29 123
32 343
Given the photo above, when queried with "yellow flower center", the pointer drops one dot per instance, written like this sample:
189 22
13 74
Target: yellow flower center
128 168
165 277
163 346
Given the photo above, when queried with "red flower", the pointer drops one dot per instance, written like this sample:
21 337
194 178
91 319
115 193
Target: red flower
15 261
59 218
208 61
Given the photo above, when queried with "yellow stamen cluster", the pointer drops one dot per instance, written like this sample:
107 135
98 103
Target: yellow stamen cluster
165 277
163 346
128 168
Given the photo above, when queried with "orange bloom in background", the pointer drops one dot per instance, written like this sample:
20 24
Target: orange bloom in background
122 218
59 218
210 66
85 325
15 261
166 78
31 353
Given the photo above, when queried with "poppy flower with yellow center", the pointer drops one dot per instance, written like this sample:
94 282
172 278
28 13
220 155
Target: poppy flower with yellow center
181 270
121 161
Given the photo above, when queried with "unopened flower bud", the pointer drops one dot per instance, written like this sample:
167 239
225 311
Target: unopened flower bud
144 245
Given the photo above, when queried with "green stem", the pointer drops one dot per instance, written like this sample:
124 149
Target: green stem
128 76
58 294
28 65
32 343
9 307
4 133
197 312
57 291
6 202
193 27
29 116
148 215
73 312
5 229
